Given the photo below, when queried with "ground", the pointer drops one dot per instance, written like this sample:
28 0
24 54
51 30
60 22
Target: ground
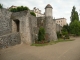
69 50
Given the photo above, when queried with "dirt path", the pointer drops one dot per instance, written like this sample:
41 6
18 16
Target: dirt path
61 51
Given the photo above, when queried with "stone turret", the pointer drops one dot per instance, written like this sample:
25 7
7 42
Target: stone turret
50 26
48 10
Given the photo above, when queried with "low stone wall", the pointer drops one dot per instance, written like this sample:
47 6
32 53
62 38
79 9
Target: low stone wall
9 40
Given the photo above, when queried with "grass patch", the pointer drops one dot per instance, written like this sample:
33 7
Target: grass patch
40 44
52 42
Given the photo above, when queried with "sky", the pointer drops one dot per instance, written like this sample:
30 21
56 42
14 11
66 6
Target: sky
61 8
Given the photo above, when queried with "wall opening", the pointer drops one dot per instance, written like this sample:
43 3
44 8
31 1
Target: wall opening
16 27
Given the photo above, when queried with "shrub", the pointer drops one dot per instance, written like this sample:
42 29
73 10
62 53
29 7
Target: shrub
1 6
18 9
65 34
59 35
41 34
13 10
32 13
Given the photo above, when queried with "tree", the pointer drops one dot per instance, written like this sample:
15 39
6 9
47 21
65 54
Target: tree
41 34
75 28
74 15
75 23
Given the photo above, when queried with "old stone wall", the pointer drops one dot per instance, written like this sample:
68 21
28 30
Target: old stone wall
7 37
23 24
58 28
50 28
33 27
40 21
5 22
9 40
27 26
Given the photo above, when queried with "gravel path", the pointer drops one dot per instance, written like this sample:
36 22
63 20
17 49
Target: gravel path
61 51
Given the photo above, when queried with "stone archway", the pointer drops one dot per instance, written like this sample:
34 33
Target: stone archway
15 25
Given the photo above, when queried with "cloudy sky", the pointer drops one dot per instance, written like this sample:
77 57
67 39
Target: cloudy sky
61 8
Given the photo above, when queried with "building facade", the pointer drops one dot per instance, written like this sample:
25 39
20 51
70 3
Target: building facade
61 21
12 7
38 12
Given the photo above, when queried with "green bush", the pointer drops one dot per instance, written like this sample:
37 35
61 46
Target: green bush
1 6
18 9
59 35
13 10
65 34
41 34
75 28
32 13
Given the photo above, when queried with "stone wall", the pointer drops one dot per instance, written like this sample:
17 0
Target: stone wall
9 40
5 22
40 21
33 27
27 26
23 26
7 37
50 28
58 28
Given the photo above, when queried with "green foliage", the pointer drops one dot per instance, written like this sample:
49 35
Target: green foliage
75 23
75 28
74 15
1 6
32 13
18 9
59 35
41 34
65 34
65 31
66 27
13 10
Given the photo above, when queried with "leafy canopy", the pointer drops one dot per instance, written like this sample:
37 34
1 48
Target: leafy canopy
74 15
75 28
18 9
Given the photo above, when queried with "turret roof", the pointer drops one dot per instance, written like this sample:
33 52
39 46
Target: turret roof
48 6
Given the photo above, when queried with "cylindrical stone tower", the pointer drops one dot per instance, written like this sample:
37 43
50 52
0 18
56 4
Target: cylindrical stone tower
50 25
